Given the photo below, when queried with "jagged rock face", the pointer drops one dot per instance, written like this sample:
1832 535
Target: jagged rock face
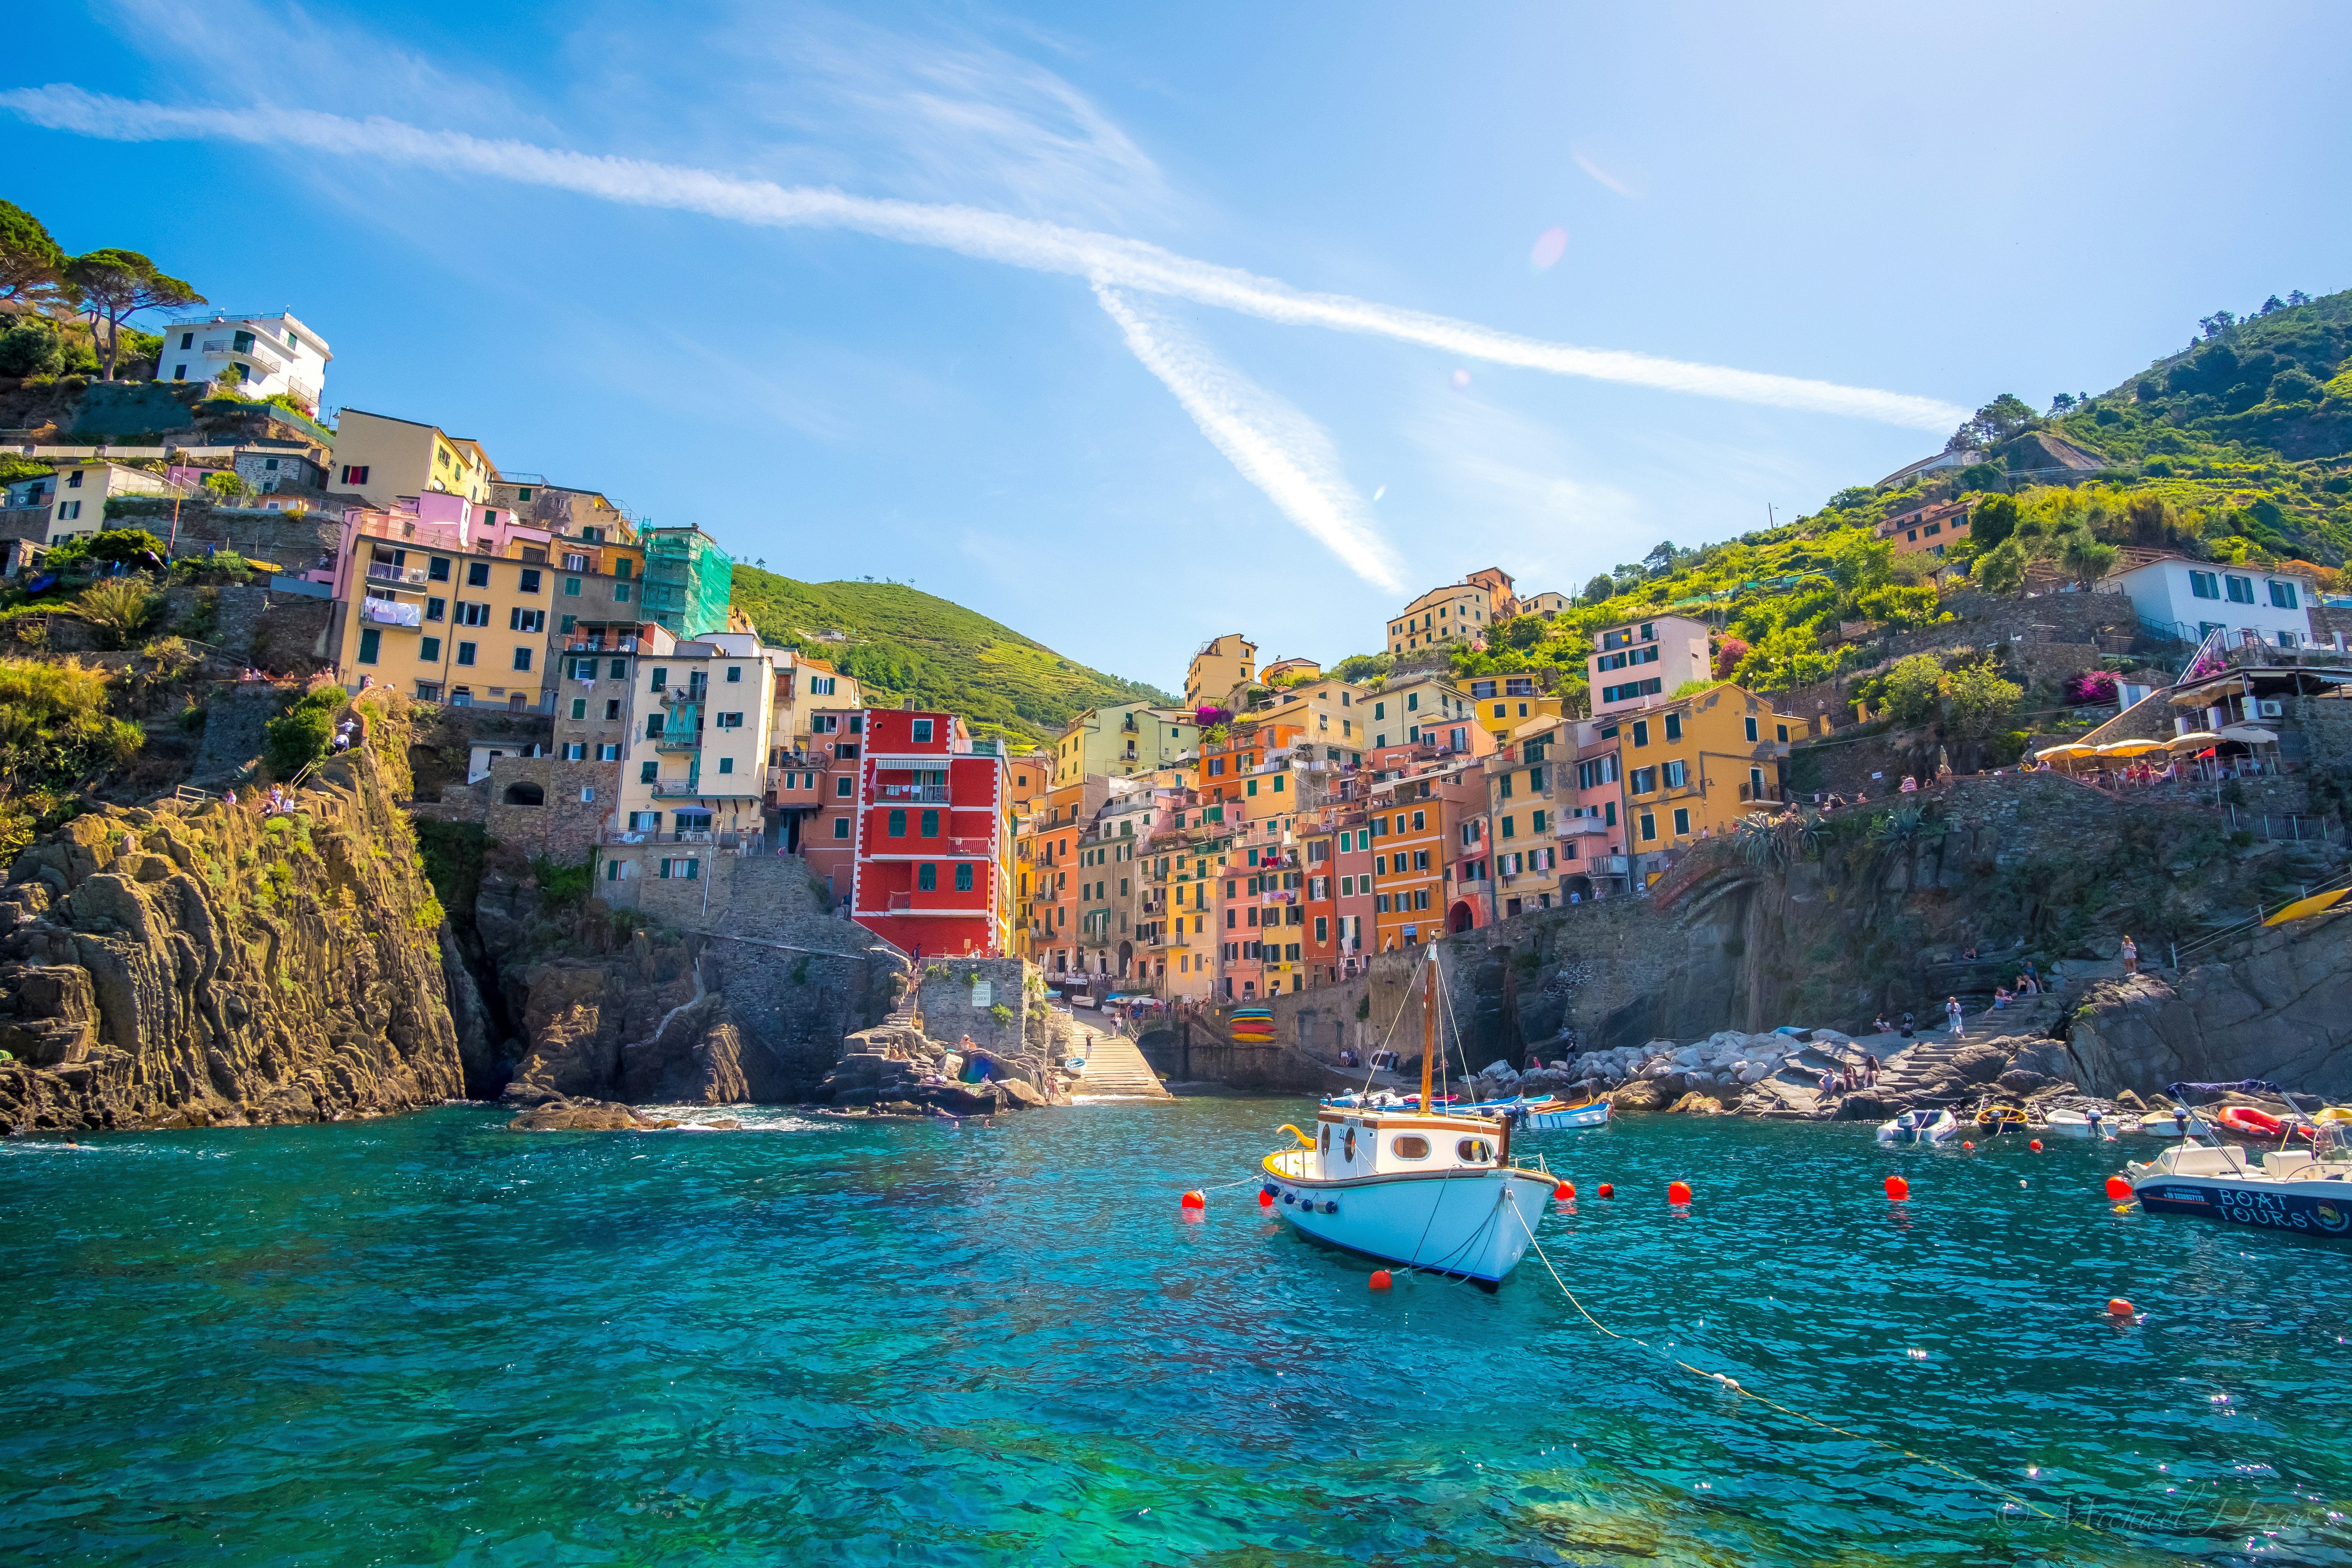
201 965
581 1017
2276 1010
584 1116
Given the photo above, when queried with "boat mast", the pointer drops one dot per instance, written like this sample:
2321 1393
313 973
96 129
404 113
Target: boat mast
1428 1025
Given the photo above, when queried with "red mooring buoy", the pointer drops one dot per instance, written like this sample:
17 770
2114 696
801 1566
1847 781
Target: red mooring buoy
1565 1190
1380 1280
1898 1189
1607 1191
1264 1199
1196 1200
2035 1145
2119 1307
1678 1193
2119 1189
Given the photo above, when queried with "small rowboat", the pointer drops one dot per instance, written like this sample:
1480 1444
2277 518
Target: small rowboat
2179 1122
1547 1114
1996 1120
1930 1127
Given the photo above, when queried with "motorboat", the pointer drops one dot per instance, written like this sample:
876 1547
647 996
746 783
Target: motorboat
1428 1189
2290 1189
2095 1124
1994 1121
2177 1122
1544 1113
2307 1190
1925 1126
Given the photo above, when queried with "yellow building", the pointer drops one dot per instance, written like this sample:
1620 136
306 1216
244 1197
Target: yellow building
456 610
383 459
1531 789
1459 612
1219 666
1506 703
1695 766
1122 741
1329 714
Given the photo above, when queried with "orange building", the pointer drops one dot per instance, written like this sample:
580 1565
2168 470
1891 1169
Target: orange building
1416 821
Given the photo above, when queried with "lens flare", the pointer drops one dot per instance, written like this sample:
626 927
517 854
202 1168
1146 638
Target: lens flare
1461 380
1549 246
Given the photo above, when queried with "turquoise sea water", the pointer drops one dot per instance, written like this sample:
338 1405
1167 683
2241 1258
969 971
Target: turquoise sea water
429 1341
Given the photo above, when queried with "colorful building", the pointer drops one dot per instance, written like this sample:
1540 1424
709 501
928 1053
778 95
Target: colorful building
1122 740
1218 666
382 458
1696 766
1530 788
1505 703
1646 661
934 845
448 600
1458 613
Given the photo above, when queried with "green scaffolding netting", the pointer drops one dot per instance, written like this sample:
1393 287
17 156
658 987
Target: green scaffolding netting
688 581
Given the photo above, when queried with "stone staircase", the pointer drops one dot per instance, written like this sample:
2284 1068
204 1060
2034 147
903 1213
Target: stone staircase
1116 1069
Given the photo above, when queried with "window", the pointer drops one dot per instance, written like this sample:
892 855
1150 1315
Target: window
526 620
922 731
477 574
726 764
2283 595
473 615
1420 859
571 587
371 641
661 678
654 727
1641 732
608 752
1644 780
530 582
353 474
844 787
730 721
465 653
2242 589
963 877
897 825
437 609
567 623
648 772
931 825
429 649
1380 903
1594 773
686 870
621 591
2204 585
1681 823
1511 827
1633 689
522 659
1649 827
439 571
927 878
575 751
1678 774
1750 722
1380 709
1380 865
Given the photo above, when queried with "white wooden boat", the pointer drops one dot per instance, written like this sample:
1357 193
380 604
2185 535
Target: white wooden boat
1931 1127
1435 1192
2179 1121
1430 1189
2097 1125
1544 1113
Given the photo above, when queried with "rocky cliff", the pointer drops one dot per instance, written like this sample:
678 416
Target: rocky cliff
199 964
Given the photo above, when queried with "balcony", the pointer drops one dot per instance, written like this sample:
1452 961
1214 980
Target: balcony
601 645
681 743
1574 827
378 573
922 794
678 696
933 849
616 838
705 789
1751 795
253 349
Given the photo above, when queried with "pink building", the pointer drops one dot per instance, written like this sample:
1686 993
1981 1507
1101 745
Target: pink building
933 837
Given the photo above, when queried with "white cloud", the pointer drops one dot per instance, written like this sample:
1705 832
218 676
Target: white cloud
1274 446
991 236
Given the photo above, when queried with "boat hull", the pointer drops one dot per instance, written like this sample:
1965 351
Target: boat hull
1472 1224
1582 1116
2315 1208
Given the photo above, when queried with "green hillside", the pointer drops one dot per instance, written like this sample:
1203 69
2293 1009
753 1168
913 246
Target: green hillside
2238 449
902 643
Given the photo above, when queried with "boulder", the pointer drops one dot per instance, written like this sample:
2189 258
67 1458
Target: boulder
1865 1105
1979 1063
2020 1080
1699 1103
584 1116
1639 1094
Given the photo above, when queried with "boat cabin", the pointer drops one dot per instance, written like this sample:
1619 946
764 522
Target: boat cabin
1350 1144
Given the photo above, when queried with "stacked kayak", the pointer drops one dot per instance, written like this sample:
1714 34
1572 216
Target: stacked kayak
1252 1025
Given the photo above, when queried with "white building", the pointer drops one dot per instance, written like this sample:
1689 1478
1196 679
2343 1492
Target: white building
266 354
2193 598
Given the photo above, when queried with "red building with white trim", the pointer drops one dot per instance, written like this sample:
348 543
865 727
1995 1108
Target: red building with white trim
934 840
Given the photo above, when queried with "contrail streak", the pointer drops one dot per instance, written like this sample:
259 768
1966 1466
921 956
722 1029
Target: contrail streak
1277 447
969 231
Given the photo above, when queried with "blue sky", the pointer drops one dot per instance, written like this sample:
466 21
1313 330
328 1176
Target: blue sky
1129 326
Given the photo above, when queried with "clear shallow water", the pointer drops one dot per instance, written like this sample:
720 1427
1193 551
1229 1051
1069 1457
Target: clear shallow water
430 1341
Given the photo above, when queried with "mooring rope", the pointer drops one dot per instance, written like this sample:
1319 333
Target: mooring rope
1734 1386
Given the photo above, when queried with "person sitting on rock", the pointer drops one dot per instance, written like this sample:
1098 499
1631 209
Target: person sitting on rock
2000 998
1910 785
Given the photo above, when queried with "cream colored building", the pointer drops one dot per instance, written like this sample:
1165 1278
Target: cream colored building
1332 715
78 501
1123 741
1219 666
702 720
383 459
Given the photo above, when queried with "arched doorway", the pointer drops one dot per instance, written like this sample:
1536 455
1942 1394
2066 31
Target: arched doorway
1578 885
523 792
1460 918
1126 958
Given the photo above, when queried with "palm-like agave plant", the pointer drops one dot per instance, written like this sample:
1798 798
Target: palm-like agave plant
1759 843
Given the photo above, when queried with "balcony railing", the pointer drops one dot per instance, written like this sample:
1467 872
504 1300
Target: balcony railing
601 645
615 838
1572 826
705 789
1752 793
925 794
382 573
677 743
674 696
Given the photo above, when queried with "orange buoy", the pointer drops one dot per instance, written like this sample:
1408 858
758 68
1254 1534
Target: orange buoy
1678 1193
1380 1280
1565 1190
2119 1307
2035 1145
1898 1189
1196 1200
1966 1144
2118 1189
1607 1191
1264 1199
